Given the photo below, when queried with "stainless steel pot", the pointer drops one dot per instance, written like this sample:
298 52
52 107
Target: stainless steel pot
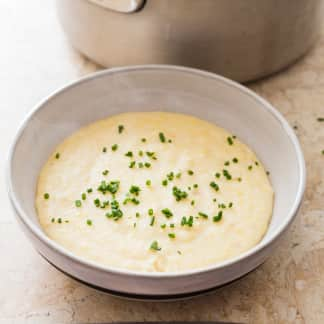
241 39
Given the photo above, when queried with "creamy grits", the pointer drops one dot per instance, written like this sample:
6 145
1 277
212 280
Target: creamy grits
154 192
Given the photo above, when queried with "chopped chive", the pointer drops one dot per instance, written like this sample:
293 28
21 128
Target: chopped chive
46 195
141 165
162 137
187 221
189 188
132 164
172 225
235 160
170 176
143 140
163 226
230 140
59 220
150 212
135 190
83 196
137 215
227 175
89 190
239 179
227 163
179 194
179 252
164 182
178 175
203 215
250 167
111 187
155 246
104 149
169 141
57 155
129 154
67 221
192 202
105 172
230 205
167 212
148 182
120 128
222 205
214 200
147 165
195 185
172 235
320 119
89 222
140 153
53 220
217 175
152 221
151 155
114 147
323 152
78 203
218 217
97 202
256 163
190 172
214 185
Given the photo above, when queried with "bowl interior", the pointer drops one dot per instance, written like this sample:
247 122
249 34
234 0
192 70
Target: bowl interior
161 89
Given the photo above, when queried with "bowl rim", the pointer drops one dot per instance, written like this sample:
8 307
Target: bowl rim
40 235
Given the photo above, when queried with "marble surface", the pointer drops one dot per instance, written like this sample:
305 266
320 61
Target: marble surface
35 59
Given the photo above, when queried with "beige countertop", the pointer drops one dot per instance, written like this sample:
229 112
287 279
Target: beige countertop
36 59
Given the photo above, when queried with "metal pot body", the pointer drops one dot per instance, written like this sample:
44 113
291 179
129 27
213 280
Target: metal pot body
241 39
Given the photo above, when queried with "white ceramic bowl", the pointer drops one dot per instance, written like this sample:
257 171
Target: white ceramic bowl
147 88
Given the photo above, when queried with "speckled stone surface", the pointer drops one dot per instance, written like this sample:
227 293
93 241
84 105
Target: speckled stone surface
35 59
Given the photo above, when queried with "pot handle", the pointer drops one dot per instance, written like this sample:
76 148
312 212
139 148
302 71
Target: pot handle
124 6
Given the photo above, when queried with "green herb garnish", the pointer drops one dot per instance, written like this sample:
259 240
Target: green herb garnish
155 246
148 182
187 221
147 165
226 174
111 187
151 155
150 212
129 154
89 222
320 119
195 185
214 185
105 172
46 195
59 220
170 176
230 140
227 163
178 175
140 153
250 167
167 212
164 182
163 226
83 196
179 194
78 203
162 137
235 160
135 190
114 147
192 202
116 213
141 165
172 235
203 215
121 129
190 172
104 149
89 190
230 205
132 164
218 217
152 221
57 155
143 140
